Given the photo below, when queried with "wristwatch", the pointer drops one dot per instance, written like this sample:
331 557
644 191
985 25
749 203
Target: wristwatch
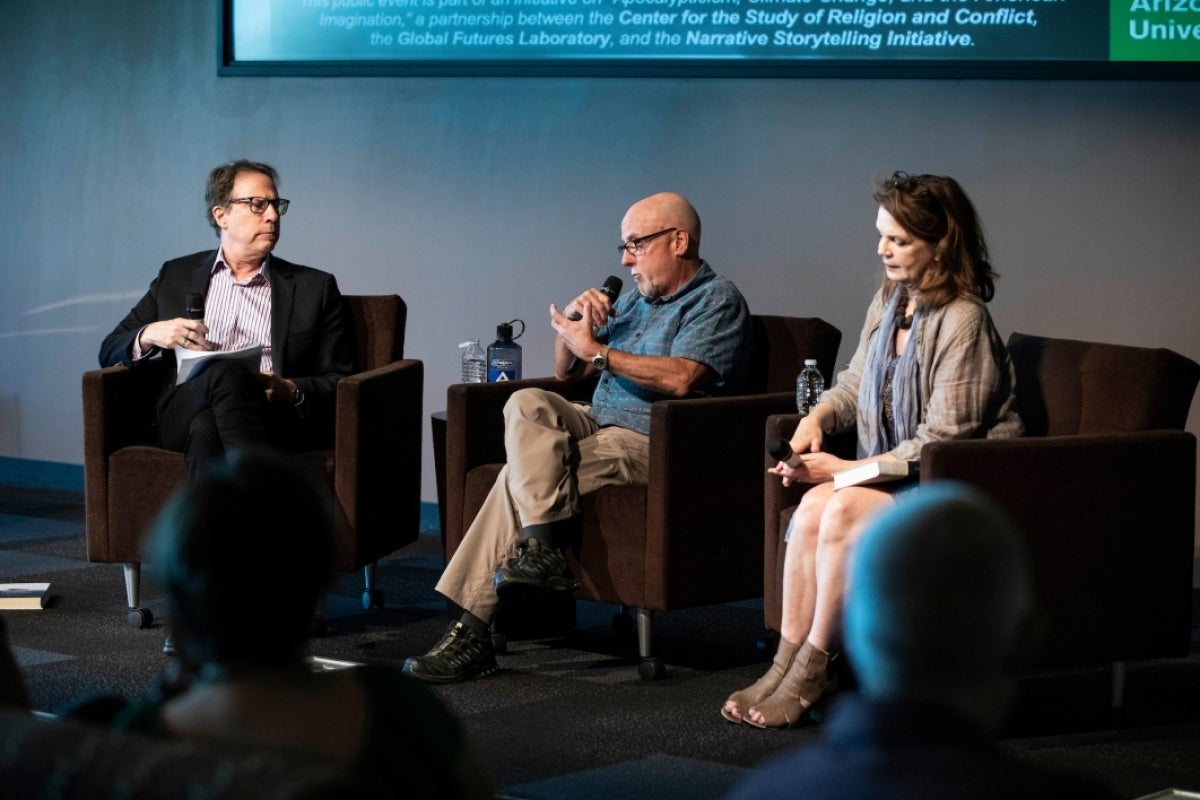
600 360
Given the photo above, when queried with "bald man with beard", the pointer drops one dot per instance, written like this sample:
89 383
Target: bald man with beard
685 332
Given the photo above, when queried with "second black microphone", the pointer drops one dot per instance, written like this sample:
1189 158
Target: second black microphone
193 307
781 450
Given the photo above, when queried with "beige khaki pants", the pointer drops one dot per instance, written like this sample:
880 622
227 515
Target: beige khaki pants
556 454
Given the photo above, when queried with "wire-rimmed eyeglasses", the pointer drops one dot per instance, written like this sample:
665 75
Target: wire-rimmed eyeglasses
259 204
634 245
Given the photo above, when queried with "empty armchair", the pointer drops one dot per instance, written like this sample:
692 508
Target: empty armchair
1103 484
373 468
690 536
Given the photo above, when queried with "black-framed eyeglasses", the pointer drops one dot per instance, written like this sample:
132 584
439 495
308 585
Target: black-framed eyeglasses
259 204
634 245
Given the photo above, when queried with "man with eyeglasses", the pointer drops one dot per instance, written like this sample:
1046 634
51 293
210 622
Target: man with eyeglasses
685 332
238 296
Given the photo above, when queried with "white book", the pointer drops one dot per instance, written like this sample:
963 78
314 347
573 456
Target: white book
190 362
879 471
23 595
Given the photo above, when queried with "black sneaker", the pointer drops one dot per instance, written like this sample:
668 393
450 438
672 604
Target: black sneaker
462 653
535 567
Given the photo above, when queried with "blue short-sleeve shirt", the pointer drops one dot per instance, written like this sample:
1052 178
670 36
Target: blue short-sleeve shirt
706 321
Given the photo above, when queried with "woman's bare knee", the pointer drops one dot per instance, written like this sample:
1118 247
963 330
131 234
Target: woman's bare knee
806 519
848 511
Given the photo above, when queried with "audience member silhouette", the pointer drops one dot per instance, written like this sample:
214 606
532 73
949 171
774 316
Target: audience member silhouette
939 606
244 553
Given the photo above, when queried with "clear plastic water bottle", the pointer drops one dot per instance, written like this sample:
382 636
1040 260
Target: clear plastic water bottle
504 354
809 385
474 362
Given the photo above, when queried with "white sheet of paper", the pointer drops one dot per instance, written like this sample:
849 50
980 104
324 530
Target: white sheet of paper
189 361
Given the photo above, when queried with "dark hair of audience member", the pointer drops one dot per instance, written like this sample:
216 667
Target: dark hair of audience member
244 554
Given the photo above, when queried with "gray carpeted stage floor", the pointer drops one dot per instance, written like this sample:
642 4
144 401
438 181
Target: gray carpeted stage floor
568 717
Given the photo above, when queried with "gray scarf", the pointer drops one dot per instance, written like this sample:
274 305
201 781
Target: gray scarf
873 437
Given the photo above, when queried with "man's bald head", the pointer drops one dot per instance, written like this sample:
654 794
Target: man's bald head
668 210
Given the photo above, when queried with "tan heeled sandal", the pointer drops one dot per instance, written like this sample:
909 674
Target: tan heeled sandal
808 681
765 686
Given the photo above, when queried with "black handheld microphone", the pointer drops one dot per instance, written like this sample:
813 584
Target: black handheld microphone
611 288
193 307
780 450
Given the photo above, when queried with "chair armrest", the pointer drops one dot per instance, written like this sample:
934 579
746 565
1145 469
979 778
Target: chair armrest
1110 521
378 455
475 432
118 411
706 466
1025 473
777 496
475 417
118 407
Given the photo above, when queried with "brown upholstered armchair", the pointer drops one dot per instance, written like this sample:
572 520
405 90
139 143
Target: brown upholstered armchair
689 537
1103 485
374 467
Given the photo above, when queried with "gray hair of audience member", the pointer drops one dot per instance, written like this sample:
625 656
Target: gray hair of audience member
940 595
244 553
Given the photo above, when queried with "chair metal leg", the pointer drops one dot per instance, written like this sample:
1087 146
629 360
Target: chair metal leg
372 597
645 631
137 617
133 583
650 668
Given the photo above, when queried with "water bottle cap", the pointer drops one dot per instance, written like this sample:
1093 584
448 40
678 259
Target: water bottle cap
504 331
810 362
468 343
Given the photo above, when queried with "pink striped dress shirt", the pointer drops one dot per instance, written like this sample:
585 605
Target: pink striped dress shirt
238 314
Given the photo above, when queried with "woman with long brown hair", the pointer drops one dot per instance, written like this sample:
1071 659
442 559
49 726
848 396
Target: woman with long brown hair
929 366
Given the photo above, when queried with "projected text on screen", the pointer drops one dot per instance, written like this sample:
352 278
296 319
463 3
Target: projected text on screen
712 31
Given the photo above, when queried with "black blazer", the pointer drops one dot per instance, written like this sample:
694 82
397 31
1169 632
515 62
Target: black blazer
311 330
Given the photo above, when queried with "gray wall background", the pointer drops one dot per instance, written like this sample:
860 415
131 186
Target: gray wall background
484 199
